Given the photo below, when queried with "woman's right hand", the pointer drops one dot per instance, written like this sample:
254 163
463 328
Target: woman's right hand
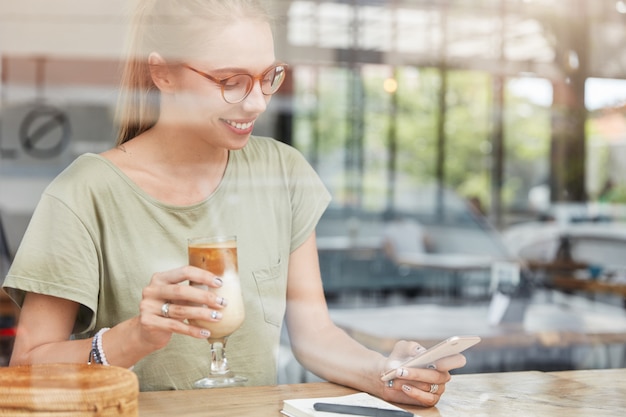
168 302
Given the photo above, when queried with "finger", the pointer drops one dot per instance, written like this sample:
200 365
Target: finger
200 277
436 389
182 319
398 384
426 395
188 312
451 362
431 375
391 385
403 351
186 273
413 393
203 297
183 295
156 321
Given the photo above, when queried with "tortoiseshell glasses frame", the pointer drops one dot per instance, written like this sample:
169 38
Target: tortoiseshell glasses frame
235 88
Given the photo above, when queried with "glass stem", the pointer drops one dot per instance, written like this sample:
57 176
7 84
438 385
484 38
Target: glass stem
219 363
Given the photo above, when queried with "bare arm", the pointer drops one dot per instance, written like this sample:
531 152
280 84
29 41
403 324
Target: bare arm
46 322
332 354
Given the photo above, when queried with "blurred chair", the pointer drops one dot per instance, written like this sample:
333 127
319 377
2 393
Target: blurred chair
5 253
4 244
8 311
403 236
410 248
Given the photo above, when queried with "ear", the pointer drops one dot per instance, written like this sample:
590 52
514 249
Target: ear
161 73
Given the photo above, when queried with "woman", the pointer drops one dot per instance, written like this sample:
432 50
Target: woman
186 165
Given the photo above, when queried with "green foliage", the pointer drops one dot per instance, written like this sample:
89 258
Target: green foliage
347 97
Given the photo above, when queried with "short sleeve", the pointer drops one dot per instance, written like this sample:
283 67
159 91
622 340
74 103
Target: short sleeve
309 199
57 257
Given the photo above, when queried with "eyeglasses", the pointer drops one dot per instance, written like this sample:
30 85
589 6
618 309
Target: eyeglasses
235 88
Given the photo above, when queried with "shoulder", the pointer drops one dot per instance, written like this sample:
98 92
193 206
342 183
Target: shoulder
85 165
85 173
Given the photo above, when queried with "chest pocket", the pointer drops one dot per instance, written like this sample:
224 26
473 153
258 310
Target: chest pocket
272 292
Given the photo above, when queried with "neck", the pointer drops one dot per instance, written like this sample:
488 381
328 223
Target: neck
184 154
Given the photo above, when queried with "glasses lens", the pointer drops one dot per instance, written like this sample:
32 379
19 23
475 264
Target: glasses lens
237 87
273 79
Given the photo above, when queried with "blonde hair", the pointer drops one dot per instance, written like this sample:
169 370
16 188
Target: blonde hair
172 28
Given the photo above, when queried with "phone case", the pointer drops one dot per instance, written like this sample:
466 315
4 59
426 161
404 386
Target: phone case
450 346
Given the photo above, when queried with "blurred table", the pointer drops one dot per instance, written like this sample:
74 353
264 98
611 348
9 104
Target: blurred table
348 264
454 262
546 326
580 393
555 266
590 286
368 247
341 246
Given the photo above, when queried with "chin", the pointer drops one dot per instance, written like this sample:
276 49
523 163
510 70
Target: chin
240 142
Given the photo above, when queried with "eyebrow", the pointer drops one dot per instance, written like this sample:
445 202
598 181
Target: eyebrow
236 70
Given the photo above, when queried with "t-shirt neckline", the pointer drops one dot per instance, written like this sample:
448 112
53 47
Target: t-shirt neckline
141 192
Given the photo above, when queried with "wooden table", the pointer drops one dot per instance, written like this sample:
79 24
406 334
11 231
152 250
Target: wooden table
573 393
590 286
555 266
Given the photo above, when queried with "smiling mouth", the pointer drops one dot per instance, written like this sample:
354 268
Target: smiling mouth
239 126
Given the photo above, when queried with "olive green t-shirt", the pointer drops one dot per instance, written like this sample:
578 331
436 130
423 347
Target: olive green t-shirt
97 239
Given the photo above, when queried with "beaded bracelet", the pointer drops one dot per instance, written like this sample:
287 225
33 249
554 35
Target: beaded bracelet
96 355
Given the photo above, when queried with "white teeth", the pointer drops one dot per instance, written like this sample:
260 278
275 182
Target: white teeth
241 126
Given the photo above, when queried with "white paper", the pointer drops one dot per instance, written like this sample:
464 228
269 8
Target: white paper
304 407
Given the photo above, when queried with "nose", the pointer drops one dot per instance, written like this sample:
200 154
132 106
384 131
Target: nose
256 102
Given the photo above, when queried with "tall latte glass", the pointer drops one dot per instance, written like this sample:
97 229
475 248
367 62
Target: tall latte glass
219 256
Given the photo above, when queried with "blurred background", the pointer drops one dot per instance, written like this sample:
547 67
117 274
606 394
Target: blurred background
475 151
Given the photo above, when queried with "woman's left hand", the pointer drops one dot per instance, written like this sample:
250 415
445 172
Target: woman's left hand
420 386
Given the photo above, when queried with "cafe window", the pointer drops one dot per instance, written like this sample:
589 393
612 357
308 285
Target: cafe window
468 117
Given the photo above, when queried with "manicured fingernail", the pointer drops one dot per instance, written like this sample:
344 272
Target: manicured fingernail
218 281
420 349
222 301
406 388
216 315
205 333
400 372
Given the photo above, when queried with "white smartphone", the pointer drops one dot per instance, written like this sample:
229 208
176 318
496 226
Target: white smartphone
450 346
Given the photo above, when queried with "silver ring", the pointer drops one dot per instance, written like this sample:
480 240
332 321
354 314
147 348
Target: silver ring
434 388
390 383
165 310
